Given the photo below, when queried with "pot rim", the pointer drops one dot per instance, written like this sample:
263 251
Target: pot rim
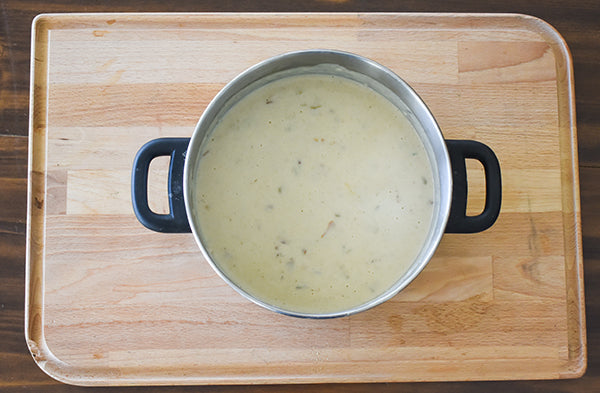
431 134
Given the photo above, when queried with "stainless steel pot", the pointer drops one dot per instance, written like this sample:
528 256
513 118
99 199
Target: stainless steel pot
446 156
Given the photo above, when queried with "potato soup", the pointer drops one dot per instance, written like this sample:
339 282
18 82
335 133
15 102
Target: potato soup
314 193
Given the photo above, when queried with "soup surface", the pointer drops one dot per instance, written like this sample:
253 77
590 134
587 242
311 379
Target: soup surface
313 193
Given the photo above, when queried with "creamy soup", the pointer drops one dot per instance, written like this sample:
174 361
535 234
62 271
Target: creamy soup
313 193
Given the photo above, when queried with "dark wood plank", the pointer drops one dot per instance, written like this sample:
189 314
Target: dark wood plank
576 20
13 157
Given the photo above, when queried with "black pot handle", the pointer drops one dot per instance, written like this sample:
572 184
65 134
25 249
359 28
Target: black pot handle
459 222
176 220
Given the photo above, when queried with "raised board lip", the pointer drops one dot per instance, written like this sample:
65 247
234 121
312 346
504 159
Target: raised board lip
34 334
578 363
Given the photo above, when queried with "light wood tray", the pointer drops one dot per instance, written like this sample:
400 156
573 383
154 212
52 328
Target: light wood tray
112 303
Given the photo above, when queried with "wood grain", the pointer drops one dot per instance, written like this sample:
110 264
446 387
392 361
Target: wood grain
576 20
110 302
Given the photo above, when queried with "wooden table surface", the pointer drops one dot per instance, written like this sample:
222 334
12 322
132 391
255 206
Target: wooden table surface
578 22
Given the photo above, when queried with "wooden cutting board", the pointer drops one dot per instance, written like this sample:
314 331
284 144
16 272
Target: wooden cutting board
112 303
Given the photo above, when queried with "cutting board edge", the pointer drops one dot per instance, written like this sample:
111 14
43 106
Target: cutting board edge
576 321
94 376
